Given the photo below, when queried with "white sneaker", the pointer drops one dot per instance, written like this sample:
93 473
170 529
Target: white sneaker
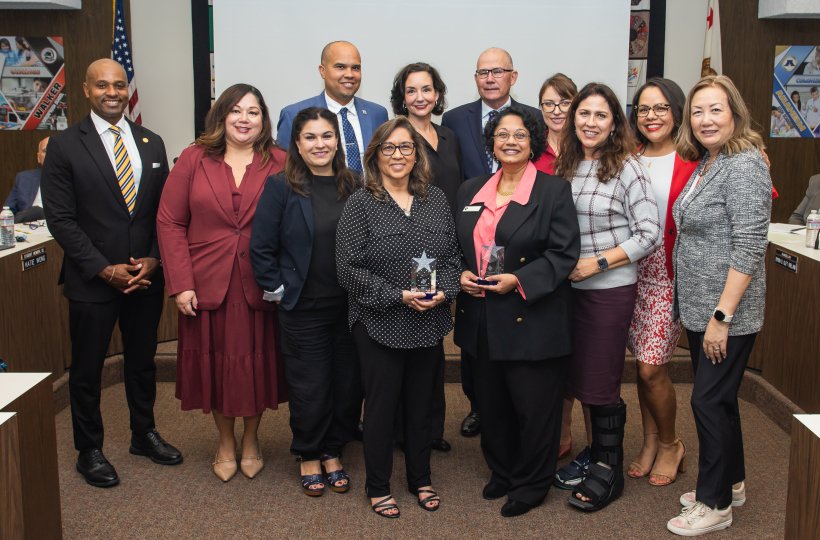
700 519
738 497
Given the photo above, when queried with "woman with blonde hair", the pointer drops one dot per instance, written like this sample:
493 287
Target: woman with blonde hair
722 219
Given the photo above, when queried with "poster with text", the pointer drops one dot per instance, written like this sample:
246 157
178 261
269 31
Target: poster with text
795 94
32 83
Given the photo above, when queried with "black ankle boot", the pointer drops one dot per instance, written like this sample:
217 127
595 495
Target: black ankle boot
605 481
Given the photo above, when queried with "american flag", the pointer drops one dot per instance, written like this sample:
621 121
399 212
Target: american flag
121 52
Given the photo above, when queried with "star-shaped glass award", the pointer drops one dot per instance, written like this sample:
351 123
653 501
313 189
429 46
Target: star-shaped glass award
423 275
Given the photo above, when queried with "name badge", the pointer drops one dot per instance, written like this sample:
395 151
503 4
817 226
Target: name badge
476 208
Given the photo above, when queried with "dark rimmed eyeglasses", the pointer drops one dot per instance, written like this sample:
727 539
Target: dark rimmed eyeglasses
496 72
549 106
520 135
405 149
660 110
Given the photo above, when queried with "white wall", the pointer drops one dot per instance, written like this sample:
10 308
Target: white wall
162 47
683 47
278 49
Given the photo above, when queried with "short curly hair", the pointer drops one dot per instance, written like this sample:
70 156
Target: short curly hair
538 139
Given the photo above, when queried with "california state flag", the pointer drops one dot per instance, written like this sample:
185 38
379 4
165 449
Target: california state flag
712 63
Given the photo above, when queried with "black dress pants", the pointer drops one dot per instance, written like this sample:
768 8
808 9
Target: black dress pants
90 326
520 403
324 381
717 417
391 376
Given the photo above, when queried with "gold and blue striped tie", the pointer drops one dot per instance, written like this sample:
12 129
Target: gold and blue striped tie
125 174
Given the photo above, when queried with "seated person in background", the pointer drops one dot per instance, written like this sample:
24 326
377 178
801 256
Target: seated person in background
24 198
810 202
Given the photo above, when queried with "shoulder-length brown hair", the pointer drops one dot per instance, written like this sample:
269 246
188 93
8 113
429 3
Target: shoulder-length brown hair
617 147
742 139
298 173
213 138
420 176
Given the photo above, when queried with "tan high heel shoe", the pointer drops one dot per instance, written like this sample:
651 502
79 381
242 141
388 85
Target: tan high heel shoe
251 465
666 470
225 468
645 461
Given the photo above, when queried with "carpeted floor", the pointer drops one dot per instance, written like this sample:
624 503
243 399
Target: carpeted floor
188 501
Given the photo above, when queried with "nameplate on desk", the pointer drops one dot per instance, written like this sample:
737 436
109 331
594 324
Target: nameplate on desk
33 258
786 260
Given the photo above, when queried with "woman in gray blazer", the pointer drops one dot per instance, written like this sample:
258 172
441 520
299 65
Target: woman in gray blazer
722 218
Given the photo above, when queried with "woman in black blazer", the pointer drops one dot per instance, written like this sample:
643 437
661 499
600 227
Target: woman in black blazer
292 251
519 329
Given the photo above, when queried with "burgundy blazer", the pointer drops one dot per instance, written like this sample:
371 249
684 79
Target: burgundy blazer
200 235
681 172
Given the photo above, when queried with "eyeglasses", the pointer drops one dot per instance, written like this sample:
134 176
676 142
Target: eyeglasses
519 135
496 72
549 106
405 149
660 110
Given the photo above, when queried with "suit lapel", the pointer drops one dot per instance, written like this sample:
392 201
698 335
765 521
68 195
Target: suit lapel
307 211
477 133
515 216
93 144
146 158
253 184
364 121
215 172
710 174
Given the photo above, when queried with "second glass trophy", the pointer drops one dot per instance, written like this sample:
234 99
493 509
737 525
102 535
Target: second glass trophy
492 264
423 275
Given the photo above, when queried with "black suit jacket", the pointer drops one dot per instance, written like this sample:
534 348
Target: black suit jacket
281 240
465 121
542 243
86 212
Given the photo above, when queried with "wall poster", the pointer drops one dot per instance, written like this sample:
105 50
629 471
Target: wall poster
32 83
796 92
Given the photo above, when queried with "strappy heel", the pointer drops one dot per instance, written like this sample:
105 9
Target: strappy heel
382 506
334 477
663 477
425 501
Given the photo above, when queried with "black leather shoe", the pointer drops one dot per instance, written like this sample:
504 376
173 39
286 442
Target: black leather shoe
358 433
96 469
514 508
154 446
471 425
441 445
493 491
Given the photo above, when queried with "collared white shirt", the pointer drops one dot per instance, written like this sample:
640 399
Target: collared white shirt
108 138
353 117
485 117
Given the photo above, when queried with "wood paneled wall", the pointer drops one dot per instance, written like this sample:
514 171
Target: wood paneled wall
87 36
748 57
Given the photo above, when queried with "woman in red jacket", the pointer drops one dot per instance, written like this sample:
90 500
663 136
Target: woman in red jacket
226 356
657 109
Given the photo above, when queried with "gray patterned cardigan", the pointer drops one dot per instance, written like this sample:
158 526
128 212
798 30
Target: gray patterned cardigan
722 224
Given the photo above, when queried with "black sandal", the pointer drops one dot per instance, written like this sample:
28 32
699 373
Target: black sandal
601 487
333 477
382 506
432 498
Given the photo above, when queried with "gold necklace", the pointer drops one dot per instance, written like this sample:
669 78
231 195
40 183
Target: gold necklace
505 193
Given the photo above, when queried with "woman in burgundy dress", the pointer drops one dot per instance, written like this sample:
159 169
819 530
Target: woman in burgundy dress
226 357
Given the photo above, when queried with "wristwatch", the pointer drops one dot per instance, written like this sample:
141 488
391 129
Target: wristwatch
603 264
721 316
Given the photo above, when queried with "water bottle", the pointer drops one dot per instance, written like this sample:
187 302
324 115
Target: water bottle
812 228
7 227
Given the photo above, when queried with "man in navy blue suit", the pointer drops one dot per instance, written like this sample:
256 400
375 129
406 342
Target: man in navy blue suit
341 69
494 77
26 190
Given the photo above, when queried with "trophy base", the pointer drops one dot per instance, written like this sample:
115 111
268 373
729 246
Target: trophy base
429 296
481 281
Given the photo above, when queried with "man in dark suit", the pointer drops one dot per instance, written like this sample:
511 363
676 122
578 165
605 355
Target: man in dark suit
494 77
25 193
102 180
341 69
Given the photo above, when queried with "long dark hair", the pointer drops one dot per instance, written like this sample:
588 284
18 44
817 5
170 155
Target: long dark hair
213 138
297 171
420 176
614 151
397 92
674 96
